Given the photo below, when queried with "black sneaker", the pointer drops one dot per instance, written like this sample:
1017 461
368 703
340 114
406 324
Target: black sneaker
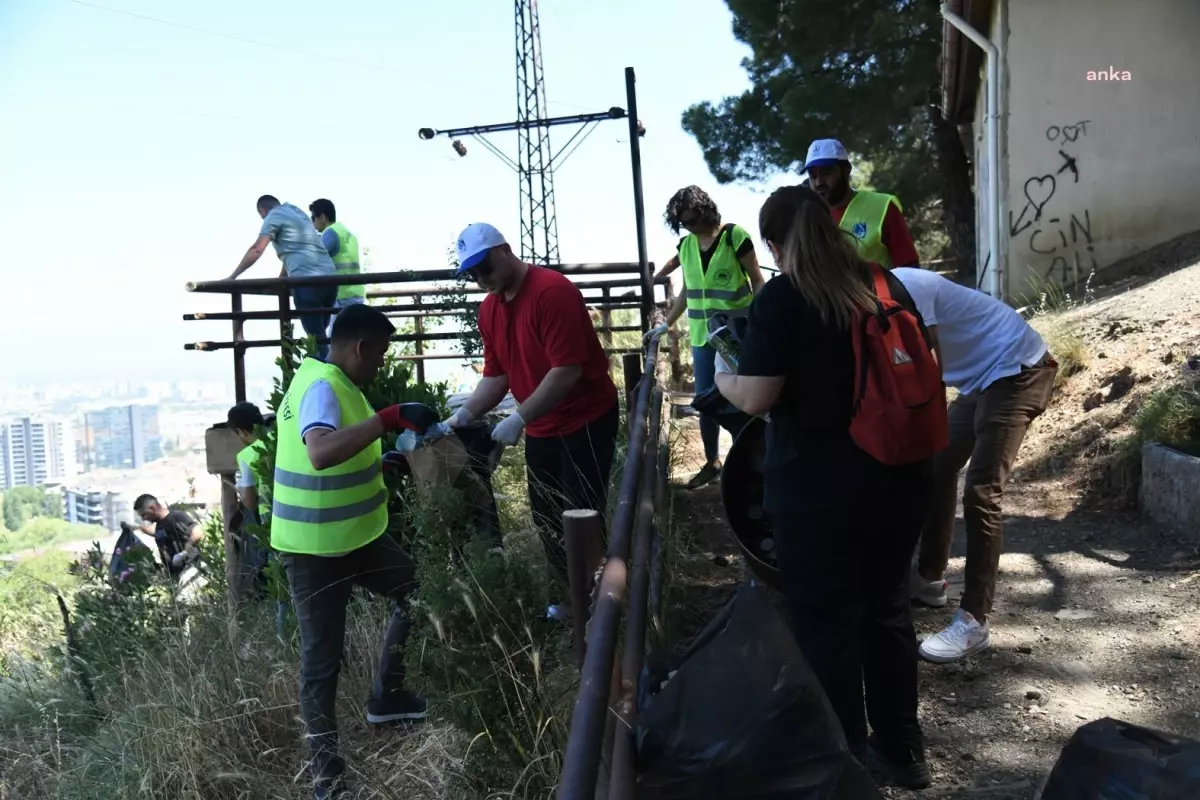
908 771
707 474
403 707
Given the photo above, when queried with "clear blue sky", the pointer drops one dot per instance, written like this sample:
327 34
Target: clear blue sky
134 150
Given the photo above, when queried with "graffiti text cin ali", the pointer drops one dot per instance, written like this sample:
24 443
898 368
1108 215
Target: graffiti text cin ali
1054 235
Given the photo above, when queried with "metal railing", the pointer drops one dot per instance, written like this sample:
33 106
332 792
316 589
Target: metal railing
606 704
421 300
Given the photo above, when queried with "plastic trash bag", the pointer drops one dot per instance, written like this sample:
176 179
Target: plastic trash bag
743 717
725 337
127 543
1113 760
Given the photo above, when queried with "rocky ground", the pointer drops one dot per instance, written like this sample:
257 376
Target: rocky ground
1097 612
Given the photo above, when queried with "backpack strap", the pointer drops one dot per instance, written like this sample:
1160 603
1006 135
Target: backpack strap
879 278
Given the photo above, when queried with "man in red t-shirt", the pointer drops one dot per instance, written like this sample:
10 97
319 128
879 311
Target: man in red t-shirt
540 344
828 168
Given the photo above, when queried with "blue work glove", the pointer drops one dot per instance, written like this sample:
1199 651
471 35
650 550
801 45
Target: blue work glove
508 431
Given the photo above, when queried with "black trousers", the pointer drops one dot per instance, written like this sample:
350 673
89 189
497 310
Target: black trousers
320 591
567 473
845 572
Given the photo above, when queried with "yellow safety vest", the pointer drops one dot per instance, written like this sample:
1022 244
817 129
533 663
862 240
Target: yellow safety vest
346 261
252 455
863 219
724 288
328 511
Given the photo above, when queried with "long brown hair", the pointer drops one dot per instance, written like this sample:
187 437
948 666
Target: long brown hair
816 255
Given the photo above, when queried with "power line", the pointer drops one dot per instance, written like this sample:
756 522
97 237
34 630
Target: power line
284 48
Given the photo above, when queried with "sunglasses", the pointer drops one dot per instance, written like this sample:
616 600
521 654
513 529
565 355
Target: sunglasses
481 270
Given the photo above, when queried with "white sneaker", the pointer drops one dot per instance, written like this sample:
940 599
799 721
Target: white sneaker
964 637
927 593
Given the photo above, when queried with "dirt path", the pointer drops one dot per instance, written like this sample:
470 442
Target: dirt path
1097 611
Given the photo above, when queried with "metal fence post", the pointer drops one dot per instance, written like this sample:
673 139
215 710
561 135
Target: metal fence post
639 204
239 353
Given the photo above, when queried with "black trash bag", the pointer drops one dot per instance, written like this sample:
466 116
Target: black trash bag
711 401
743 717
127 542
1113 759
477 439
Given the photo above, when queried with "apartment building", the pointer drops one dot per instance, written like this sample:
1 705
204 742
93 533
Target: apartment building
35 451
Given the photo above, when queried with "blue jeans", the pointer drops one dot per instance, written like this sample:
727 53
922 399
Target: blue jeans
340 304
306 297
704 372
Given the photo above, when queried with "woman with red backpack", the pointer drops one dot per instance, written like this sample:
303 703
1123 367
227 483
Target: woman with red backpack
836 353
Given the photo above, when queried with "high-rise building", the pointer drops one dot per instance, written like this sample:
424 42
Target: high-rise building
122 436
35 450
96 507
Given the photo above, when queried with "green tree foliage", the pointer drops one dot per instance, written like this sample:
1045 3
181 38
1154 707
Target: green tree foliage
47 532
864 72
23 503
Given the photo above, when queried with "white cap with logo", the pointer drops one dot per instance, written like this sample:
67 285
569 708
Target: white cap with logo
825 153
474 243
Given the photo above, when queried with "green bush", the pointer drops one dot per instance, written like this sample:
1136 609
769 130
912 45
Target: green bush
482 649
1171 417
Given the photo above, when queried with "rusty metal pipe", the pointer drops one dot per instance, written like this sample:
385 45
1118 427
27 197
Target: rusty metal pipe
208 347
581 759
274 285
583 539
621 783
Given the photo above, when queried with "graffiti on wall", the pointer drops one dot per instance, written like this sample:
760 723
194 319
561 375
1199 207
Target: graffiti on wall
1057 234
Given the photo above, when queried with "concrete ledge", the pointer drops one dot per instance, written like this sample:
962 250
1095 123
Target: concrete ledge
1170 488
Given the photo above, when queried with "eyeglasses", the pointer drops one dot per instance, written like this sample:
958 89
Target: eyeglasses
689 222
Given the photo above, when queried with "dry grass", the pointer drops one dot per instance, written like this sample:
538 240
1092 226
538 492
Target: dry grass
198 721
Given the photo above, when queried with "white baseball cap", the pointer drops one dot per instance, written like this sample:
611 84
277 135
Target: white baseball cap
825 153
474 243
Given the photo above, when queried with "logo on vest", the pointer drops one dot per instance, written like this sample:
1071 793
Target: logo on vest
900 357
860 230
721 276
286 411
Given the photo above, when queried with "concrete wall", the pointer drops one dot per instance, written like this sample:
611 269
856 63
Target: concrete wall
1094 171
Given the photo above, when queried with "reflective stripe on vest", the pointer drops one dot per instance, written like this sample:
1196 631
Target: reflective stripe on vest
253 454
724 288
863 219
346 261
334 510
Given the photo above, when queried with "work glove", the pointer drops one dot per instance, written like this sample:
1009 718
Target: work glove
413 417
723 366
508 431
461 418
656 331
181 558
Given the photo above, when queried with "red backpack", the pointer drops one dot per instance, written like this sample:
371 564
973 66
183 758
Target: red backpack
899 398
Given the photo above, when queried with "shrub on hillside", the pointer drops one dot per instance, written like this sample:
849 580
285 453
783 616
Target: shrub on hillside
483 650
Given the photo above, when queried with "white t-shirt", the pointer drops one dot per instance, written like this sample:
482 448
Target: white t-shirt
319 409
245 475
981 339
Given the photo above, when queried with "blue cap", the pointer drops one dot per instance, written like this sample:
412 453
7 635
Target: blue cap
474 243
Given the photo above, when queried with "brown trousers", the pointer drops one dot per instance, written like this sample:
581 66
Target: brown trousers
987 429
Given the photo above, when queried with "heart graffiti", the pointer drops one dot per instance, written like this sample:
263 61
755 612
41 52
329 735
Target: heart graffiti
1038 192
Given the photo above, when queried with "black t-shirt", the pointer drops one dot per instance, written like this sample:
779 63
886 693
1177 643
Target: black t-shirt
811 461
171 535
